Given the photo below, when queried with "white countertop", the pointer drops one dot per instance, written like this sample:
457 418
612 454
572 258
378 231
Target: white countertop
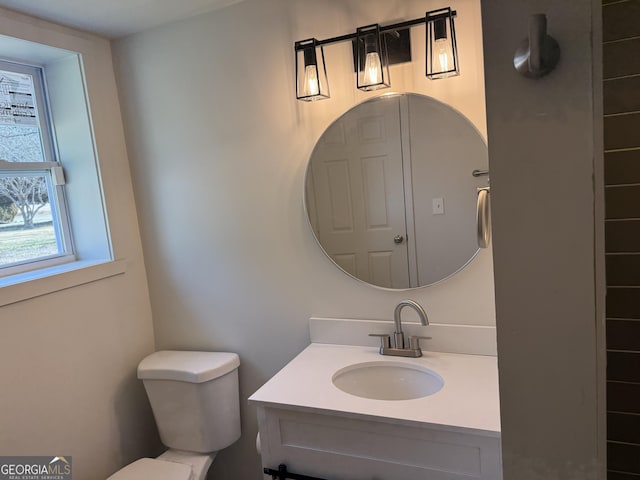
468 401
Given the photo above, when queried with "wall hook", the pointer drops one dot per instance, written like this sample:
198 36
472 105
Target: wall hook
539 54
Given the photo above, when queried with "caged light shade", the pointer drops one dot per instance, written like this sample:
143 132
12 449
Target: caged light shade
372 59
442 51
311 72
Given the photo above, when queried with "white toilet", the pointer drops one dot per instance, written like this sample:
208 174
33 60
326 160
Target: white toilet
194 398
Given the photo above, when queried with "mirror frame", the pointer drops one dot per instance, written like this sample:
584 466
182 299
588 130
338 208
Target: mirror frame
306 179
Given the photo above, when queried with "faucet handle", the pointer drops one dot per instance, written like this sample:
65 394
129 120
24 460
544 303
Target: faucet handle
385 340
414 341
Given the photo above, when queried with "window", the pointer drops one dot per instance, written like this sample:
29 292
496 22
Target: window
34 223
69 78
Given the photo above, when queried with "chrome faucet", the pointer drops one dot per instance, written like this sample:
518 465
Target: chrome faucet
399 349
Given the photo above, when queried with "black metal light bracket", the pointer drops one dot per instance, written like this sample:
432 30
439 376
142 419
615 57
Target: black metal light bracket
398 47
394 27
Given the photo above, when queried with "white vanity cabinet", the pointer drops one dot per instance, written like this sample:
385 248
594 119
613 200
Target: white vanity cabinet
317 430
334 447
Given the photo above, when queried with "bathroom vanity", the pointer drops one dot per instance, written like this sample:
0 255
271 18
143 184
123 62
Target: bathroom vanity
376 188
308 423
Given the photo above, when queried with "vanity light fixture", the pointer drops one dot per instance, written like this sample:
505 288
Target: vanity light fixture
311 72
372 57
442 52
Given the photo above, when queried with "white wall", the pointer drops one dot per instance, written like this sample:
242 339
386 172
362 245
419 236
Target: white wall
218 147
68 358
545 155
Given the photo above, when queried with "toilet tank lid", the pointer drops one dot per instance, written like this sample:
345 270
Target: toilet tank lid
192 367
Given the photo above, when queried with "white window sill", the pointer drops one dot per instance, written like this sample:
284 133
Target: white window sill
17 288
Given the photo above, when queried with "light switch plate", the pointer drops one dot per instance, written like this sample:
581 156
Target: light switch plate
438 206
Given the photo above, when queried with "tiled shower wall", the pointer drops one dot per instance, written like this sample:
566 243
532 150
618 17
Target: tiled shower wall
621 70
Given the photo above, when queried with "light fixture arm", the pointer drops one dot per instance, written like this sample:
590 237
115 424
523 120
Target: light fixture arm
386 28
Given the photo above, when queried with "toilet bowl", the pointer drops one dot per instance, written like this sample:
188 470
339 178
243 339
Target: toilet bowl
194 398
171 465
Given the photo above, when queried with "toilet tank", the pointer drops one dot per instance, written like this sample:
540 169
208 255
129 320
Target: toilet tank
194 397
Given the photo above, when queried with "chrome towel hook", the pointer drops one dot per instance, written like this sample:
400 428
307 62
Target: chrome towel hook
539 54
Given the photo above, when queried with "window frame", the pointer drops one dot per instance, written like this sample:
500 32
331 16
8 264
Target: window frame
85 115
50 168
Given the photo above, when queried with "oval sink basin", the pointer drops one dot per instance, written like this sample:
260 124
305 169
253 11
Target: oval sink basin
387 380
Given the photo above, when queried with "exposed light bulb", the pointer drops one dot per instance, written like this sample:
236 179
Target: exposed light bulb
372 69
443 54
311 85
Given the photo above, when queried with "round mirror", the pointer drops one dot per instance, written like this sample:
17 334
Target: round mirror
391 193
